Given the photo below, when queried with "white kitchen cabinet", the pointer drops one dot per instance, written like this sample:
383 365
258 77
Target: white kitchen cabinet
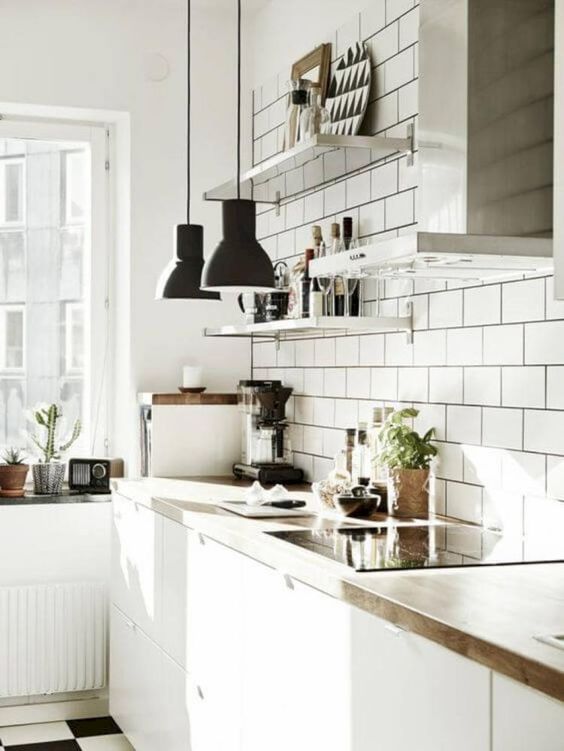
136 696
524 719
215 639
175 591
137 564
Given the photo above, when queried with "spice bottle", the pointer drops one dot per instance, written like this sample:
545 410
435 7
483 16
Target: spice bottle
361 458
315 298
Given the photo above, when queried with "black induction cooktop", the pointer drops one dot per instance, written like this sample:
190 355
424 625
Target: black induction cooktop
420 546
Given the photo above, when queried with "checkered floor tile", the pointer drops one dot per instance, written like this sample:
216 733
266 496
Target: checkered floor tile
96 734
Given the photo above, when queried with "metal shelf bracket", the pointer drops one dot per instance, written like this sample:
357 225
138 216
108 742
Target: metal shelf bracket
411 137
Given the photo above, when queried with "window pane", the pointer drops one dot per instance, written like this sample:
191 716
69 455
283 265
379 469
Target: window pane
72 258
14 338
14 192
12 419
12 267
76 187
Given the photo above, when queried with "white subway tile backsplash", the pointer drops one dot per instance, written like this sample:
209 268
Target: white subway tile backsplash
544 343
358 383
358 189
372 18
554 308
384 180
286 355
384 384
523 473
464 346
503 511
346 413
555 388
398 70
413 384
324 412
446 385
429 348
398 351
313 173
295 213
450 461
297 437
544 431
555 476
372 349
384 44
371 218
482 386
396 8
334 164
312 440
431 416
382 113
313 207
502 428
333 441
482 305
324 352
482 466
303 410
503 345
347 348
305 353
464 502
523 301
464 424
445 309
314 381
523 387
335 382
399 209
409 28
408 101
335 198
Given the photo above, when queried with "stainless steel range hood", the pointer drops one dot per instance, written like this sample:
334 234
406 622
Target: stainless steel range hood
485 131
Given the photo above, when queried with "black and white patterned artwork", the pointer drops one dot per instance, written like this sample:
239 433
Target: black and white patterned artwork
349 90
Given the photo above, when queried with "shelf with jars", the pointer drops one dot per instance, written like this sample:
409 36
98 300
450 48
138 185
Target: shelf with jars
261 184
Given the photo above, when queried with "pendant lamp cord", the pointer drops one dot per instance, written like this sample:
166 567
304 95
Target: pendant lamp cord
188 103
238 99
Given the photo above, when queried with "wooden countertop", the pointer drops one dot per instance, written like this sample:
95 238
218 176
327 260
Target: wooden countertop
177 398
489 614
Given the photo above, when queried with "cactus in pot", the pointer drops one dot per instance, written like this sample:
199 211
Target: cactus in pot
49 473
13 473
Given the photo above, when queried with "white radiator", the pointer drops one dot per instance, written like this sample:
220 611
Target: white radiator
53 638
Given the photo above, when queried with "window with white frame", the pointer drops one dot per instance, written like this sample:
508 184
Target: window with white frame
52 285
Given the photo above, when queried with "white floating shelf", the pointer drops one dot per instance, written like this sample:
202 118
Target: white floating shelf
378 147
296 328
443 256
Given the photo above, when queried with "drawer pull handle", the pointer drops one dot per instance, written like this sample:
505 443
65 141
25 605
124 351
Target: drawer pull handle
200 692
288 581
201 539
393 629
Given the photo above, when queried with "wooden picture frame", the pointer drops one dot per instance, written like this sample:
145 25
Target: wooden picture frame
318 61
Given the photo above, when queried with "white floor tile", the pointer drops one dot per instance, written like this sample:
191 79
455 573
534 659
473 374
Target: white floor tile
105 743
40 733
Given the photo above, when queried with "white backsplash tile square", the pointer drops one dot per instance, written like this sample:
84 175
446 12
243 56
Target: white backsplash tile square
544 431
314 381
372 18
294 378
523 473
313 173
347 350
324 412
295 213
523 301
445 309
286 355
503 345
383 113
313 440
503 428
371 218
324 352
408 174
333 442
450 461
445 385
358 189
431 416
409 28
555 476
555 387
482 386
482 305
297 437
464 424
464 502
429 348
482 466
398 351
503 511
408 100
335 382
523 387
384 384
303 410
313 207
396 8
358 383
384 180
399 209
385 44
398 70
334 165
305 353
346 413
305 463
321 468
544 343
335 199
413 384
371 349
464 346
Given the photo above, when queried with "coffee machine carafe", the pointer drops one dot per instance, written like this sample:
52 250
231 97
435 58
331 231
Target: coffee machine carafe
266 451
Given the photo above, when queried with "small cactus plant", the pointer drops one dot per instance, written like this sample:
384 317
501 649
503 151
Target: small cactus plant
13 456
47 418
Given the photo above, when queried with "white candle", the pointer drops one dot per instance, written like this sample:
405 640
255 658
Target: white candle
192 377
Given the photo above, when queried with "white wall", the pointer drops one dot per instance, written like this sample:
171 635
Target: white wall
93 54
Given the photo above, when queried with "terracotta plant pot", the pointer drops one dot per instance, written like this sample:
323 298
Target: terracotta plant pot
408 492
48 478
12 480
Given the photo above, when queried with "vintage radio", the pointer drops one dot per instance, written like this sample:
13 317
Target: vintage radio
93 475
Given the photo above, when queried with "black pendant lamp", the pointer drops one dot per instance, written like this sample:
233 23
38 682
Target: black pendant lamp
181 278
239 263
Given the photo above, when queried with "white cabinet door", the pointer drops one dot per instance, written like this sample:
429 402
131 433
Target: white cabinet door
136 688
136 564
214 637
524 719
175 721
422 695
175 591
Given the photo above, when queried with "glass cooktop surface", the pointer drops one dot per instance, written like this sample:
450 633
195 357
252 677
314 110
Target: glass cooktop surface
421 545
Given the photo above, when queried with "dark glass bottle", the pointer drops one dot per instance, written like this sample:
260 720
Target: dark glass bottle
306 281
347 241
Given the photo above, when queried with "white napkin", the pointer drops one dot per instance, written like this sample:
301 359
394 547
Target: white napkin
256 495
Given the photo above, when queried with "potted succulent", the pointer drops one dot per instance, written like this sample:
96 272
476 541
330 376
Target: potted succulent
408 457
13 473
49 473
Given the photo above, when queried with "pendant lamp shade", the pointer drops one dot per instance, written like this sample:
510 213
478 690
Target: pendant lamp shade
239 263
181 277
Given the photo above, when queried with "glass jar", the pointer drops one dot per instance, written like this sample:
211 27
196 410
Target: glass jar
298 101
314 118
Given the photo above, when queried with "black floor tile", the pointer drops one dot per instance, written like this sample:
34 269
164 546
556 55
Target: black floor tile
50 746
92 727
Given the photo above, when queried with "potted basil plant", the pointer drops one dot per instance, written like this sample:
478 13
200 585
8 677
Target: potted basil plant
408 457
49 472
13 473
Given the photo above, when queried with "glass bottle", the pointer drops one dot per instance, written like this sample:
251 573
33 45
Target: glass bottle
336 242
378 472
314 118
298 102
361 468
349 449
306 280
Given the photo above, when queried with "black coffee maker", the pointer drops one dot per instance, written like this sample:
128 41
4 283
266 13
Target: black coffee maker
266 453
